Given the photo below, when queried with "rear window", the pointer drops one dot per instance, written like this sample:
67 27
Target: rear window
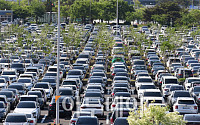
185 102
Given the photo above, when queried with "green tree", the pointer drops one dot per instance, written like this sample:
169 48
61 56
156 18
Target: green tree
190 18
136 15
155 115
37 9
20 11
5 5
168 11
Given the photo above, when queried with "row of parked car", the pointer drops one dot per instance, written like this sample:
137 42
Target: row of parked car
113 81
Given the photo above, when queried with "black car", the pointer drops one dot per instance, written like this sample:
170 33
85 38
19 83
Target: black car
11 98
65 106
4 110
121 121
19 67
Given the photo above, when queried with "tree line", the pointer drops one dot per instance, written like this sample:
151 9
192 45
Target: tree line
166 12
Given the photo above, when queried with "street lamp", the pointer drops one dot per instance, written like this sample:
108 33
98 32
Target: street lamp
58 64
117 12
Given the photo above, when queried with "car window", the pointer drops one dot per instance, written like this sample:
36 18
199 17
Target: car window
16 119
26 105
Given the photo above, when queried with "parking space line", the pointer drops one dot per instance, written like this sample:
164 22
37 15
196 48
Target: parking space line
44 118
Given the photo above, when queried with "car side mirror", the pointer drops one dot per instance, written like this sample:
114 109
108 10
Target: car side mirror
101 123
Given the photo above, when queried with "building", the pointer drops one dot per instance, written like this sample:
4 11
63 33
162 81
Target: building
6 15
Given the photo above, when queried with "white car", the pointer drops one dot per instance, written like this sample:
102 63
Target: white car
12 74
185 105
141 80
92 105
46 87
189 80
28 107
144 87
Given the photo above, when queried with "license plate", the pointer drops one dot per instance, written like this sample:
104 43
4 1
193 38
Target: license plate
61 111
186 107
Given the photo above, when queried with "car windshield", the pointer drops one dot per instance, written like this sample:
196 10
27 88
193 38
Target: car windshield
7 94
51 74
65 92
196 89
169 81
8 73
44 86
24 80
16 119
93 95
17 66
181 94
36 93
193 80
69 83
49 80
147 87
84 121
186 102
144 80
28 99
153 94
26 105
74 73
18 87
173 88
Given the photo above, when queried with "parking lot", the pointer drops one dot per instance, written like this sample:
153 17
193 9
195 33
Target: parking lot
104 71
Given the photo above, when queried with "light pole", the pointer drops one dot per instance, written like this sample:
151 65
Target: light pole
117 12
58 64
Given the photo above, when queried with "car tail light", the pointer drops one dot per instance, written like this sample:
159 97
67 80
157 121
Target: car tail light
73 121
198 98
152 70
50 105
195 107
113 105
31 121
192 70
160 82
165 89
179 74
187 65
111 121
176 107
113 94
113 74
60 72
